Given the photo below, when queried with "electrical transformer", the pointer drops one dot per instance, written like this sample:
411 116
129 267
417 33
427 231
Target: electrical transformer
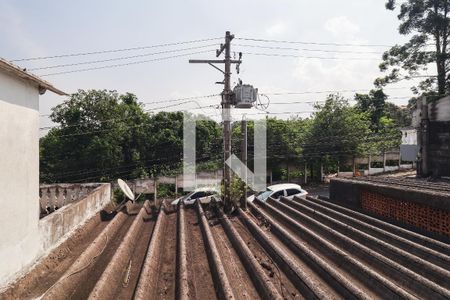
244 96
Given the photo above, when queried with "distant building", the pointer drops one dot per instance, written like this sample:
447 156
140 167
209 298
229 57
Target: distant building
19 166
409 136
409 148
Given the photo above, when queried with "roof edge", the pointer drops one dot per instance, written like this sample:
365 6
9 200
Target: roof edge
42 84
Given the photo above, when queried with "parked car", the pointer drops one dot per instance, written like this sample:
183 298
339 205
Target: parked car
288 190
204 195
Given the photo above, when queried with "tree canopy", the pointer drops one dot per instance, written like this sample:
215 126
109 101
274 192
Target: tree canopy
337 130
427 21
103 135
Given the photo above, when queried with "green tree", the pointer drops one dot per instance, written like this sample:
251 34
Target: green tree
97 139
284 141
402 116
373 104
389 136
103 136
337 132
428 23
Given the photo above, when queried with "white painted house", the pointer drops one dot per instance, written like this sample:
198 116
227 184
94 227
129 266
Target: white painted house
19 167
409 136
409 147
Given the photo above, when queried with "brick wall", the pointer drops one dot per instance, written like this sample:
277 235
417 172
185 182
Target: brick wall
415 214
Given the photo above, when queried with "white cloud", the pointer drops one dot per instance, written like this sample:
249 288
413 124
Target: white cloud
278 28
341 27
319 75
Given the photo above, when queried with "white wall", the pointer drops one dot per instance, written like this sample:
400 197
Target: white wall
19 174
409 137
59 225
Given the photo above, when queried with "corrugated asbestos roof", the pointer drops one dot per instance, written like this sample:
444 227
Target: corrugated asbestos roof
287 249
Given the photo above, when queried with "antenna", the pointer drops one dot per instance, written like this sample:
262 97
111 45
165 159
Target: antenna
126 189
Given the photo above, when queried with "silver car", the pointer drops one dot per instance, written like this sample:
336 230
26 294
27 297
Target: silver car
204 195
288 190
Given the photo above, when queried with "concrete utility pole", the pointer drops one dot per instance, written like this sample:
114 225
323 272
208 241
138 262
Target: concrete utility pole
226 105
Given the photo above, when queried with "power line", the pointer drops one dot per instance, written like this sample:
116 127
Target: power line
182 99
114 50
324 101
327 92
165 101
306 155
125 64
273 146
125 118
119 58
313 43
309 50
135 164
309 57
282 113
322 140
270 93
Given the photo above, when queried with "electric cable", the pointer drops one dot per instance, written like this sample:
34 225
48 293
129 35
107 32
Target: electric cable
125 118
125 64
308 57
119 58
312 43
308 50
115 50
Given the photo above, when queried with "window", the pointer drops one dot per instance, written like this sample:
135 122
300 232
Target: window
264 195
291 192
198 195
278 194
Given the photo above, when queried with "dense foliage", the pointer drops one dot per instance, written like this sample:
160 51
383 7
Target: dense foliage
103 135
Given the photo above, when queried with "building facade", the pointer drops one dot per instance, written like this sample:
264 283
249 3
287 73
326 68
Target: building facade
19 167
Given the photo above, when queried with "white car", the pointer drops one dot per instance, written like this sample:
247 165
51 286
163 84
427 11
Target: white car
288 190
204 195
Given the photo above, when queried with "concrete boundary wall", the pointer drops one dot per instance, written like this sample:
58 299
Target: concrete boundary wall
55 228
349 190
55 196
411 206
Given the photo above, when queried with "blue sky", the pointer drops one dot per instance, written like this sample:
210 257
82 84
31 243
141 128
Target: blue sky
43 28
